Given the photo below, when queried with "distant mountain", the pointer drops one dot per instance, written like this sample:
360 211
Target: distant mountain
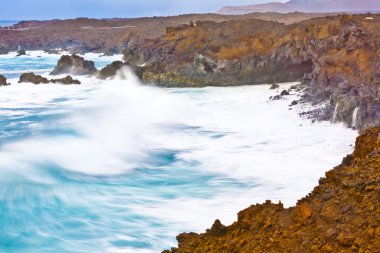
354 6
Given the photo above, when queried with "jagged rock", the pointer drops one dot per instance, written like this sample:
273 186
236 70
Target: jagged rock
32 78
66 80
52 51
315 224
112 51
110 70
3 81
21 52
274 86
74 65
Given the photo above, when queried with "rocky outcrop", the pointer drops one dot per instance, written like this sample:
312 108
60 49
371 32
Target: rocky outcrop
33 78
21 52
338 57
74 65
110 70
341 214
3 81
66 80
37 79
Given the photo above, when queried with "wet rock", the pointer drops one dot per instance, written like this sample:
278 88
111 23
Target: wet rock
285 93
294 102
66 80
110 70
74 65
274 86
21 52
3 81
33 78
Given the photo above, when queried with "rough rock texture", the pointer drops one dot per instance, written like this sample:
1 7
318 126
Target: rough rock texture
66 80
338 56
110 70
37 79
74 65
3 81
32 78
83 35
341 214
21 52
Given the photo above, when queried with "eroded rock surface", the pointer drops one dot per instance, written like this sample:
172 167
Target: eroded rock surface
3 81
110 70
74 65
33 78
341 214
66 80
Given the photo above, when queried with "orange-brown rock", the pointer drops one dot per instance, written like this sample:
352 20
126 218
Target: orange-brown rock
341 214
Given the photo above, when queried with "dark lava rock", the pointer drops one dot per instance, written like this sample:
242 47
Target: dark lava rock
74 65
112 51
110 70
21 52
295 102
274 86
66 80
3 81
285 93
51 51
32 78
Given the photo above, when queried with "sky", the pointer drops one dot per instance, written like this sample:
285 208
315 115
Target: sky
51 9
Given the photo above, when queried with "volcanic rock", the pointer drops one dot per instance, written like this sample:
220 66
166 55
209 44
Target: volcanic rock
3 81
110 70
74 65
21 52
66 80
32 78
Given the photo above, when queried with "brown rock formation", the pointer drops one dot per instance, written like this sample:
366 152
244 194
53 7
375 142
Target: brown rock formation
37 79
32 78
339 56
66 80
341 214
110 70
74 65
102 35
3 81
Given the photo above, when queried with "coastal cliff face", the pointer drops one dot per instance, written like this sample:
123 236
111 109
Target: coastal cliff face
337 56
342 214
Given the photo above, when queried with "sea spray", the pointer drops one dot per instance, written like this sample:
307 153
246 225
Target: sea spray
355 117
335 114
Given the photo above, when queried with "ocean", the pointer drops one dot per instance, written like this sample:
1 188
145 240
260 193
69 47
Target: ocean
117 166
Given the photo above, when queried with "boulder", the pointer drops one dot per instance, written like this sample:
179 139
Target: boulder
32 78
110 70
21 52
3 81
66 80
74 65
274 86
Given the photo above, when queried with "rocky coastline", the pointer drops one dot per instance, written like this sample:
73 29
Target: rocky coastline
341 214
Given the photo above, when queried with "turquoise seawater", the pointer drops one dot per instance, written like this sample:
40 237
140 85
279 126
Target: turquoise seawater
114 166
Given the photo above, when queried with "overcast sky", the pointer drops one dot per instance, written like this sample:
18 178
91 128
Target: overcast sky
50 9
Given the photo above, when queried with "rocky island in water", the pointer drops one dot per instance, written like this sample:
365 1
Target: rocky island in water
117 134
